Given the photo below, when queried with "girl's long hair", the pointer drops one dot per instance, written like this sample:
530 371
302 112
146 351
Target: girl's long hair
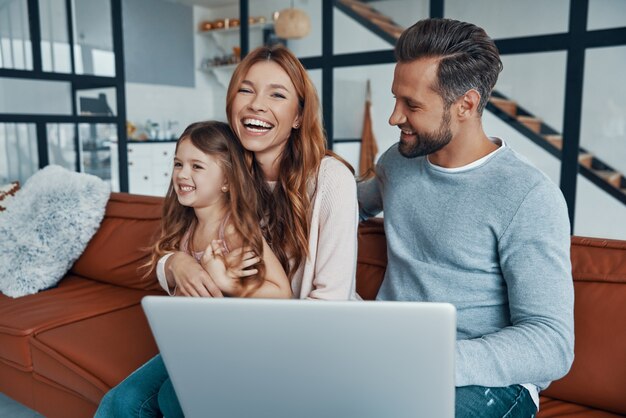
285 210
217 140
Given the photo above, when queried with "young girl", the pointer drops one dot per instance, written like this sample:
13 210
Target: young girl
210 210
210 206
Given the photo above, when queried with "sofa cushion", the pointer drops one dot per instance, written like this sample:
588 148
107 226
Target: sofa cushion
553 408
74 299
90 356
372 258
47 227
121 246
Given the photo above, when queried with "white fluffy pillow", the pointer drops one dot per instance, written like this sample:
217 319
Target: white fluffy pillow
47 227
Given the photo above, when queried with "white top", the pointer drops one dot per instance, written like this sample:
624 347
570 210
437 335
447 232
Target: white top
329 273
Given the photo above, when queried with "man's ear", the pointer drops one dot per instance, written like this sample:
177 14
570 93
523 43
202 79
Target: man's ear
468 104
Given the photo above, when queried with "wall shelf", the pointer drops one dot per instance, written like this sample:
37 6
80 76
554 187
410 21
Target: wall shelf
225 31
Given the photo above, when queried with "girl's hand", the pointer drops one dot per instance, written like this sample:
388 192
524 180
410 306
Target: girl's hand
228 279
240 264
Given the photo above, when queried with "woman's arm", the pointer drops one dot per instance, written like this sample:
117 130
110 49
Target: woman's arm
180 274
334 229
275 283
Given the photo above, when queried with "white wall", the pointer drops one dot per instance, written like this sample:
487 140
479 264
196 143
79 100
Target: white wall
206 100
603 125
537 83
25 96
404 12
350 85
353 37
512 18
603 14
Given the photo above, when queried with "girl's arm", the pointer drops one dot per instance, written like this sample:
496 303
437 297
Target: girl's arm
275 284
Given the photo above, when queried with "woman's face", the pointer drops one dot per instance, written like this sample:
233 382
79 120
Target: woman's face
265 110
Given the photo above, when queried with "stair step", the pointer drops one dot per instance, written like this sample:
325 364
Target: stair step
365 10
532 123
585 159
612 177
507 106
555 140
391 28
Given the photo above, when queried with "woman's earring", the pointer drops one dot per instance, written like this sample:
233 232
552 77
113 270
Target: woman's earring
224 188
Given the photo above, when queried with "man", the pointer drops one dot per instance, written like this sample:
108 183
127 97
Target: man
470 222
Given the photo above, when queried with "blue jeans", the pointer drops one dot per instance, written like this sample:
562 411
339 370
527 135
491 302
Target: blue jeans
506 402
148 392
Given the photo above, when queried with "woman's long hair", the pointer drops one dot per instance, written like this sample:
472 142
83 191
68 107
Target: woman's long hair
217 140
285 210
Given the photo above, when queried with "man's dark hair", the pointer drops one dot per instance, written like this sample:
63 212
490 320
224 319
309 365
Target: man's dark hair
469 58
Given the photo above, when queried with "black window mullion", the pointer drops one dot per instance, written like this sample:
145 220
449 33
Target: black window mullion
42 144
35 34
436 8
327 69
120 89
574 79
244 27
70 36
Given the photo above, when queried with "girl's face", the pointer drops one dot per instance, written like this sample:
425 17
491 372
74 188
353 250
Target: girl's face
265 110
197 177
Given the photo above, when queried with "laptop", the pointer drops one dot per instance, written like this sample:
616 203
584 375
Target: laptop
255 358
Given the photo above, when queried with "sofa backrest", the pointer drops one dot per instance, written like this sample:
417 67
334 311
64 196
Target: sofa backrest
120 247
598 375
371 259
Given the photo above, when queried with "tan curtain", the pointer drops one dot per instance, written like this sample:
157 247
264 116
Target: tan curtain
369 149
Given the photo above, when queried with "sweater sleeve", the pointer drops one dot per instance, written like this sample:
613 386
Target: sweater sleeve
335 263
538 346
160 271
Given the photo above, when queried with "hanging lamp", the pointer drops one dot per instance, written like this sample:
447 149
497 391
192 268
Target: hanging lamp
292 23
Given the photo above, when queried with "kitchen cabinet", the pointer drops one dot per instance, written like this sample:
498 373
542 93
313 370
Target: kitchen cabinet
150 166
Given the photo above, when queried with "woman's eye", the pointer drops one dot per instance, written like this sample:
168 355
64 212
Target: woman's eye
197 167
244 90
177 164
278 95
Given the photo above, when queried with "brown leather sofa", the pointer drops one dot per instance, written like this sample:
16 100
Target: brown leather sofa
63 348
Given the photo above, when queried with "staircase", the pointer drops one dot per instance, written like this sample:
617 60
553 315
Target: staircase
590 166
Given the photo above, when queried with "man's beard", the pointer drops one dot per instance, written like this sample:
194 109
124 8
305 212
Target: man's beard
428 143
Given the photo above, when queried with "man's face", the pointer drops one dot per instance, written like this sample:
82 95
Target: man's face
419 112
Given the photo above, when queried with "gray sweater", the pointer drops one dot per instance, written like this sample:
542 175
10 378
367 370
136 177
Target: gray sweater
494 241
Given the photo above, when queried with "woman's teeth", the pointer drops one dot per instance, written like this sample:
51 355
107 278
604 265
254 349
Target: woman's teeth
256 125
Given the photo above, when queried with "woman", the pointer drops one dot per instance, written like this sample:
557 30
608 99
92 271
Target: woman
306 196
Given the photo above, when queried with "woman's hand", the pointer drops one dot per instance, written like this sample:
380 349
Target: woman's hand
189 277
227 271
